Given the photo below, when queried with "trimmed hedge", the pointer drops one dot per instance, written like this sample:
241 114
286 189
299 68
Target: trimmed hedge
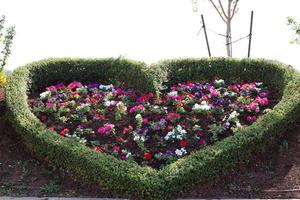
128 178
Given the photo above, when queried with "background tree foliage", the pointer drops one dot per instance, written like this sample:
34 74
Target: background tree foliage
295 26
6 38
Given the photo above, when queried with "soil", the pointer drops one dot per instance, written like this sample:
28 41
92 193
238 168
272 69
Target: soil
273 175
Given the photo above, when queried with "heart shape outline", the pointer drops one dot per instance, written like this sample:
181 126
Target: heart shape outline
131 179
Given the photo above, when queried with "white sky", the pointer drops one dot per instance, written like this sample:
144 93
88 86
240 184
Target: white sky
146 30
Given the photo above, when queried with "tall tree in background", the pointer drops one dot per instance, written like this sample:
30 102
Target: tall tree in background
226 11
295 26
5 42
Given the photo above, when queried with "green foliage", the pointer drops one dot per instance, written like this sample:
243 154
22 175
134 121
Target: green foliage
128 178
5 41
295 26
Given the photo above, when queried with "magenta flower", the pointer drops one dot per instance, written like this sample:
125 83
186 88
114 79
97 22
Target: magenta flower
59 86
145 120
106 129
73 85
137 108
51 105
116 148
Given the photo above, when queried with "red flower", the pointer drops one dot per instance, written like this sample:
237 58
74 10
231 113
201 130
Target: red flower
179 105
183 143
145 97
205 98
125 130
119 139
174 115
97 148
43 118
147 156
93 100
99 116
64 132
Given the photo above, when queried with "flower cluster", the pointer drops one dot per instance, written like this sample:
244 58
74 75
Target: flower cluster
131 126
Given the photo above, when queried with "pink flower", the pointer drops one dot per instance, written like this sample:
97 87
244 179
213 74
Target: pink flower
51 88
262 101
73 85
106 129
137 108
214 92
101 130
118 91
173 88
145 120
51 105
254 107
116 148
251 119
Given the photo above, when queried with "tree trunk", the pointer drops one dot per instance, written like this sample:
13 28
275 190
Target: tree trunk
228 39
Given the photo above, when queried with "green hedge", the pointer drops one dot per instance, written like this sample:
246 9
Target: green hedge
128 178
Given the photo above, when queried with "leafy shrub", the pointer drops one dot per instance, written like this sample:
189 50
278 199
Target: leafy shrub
128 178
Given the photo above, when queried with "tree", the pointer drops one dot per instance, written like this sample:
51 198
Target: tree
226 16
5 42
295 26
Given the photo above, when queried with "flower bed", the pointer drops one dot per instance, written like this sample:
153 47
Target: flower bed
132 126
129 178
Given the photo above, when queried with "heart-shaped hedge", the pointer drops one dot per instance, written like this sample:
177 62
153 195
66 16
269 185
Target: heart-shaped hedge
129 178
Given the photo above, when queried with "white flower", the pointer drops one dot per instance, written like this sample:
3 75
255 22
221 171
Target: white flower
233 115
45 95
121 106
176 134
109 103
156 107
128 155
173 93
180 152
139 138
259 84
238 124
106 87
220 81
203 106
139 117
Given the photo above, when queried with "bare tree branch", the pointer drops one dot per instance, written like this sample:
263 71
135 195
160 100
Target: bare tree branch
212 2
234 9
221 5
